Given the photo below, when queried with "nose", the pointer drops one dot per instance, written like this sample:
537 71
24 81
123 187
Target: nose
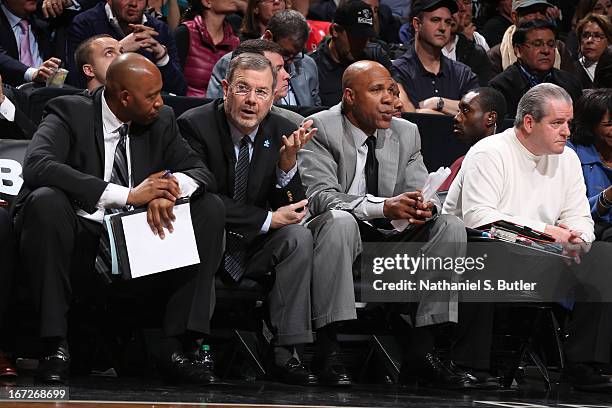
388 98
565 130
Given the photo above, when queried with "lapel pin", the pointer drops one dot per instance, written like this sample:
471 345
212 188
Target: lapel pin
266 143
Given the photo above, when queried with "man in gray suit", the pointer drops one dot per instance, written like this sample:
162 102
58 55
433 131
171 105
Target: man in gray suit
364 168
289 29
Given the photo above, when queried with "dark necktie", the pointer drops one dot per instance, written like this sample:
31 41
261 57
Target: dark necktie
371 167
234 260
120 176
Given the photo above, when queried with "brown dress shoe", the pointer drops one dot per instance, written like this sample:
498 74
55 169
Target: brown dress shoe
7 370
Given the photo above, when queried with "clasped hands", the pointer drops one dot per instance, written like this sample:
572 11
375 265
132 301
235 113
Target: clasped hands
143 38
159 193
408 206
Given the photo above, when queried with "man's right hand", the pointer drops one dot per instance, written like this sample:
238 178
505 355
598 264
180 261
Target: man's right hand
154 187
142 36
47 70
408 206
54 8
1 91
562 233
289 214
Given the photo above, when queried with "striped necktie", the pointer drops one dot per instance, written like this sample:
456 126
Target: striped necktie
234 260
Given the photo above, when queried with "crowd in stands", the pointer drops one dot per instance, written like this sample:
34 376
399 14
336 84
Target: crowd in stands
272 192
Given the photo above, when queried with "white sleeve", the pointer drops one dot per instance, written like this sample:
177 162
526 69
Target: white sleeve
114 196
187 185
7 110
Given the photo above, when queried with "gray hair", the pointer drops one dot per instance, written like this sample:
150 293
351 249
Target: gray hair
253 62
535 102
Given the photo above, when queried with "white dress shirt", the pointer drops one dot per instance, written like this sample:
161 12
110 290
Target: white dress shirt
374 206
282 178
36 58
115 196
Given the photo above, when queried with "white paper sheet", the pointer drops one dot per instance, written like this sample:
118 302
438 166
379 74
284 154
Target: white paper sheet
148 254
432 184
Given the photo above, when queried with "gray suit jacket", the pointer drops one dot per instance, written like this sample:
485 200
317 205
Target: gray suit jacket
327 162
304 80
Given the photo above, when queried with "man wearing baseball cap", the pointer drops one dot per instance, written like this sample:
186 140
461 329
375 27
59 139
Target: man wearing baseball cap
502 55
350 32
433 82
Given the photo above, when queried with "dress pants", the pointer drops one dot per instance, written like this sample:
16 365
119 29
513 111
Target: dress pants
7 261
59 248
287 252
336 246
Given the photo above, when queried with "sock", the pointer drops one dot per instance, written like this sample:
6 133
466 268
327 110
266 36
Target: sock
327 340
282 354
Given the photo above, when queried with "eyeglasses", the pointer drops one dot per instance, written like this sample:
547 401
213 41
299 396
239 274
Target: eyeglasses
597 37
273 1
291 58
243 90
552 44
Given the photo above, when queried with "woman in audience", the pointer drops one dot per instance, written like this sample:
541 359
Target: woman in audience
603 72
592 140
595 34
584 7
258 14
202 39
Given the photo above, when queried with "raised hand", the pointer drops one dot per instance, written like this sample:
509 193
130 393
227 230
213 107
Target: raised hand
292 145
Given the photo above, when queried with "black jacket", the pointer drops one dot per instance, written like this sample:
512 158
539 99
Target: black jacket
475 57
67 151
207 130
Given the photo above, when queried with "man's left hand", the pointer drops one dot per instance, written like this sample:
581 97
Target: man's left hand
293 144
1 91
160 215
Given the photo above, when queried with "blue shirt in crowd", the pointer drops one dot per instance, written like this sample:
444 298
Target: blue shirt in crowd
597 177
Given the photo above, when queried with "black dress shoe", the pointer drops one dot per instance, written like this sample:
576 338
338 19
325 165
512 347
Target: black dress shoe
184 369
54 368
330 371
206 365
476 379
432 372
585 377
294 372
7 370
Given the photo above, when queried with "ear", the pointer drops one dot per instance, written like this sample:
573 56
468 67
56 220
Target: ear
528 123
88 71
517 51
514 17
348 96
491 119
267 35
416 23
225 86
124 98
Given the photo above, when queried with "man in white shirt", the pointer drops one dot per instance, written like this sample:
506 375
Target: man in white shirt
526 175
116 149
14 122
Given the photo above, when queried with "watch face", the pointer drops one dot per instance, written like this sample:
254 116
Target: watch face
440 104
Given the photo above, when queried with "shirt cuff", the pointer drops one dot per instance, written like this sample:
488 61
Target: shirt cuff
74 6
164 61
187 185
29 74
374 210
266 225
7 109
282 178
114 196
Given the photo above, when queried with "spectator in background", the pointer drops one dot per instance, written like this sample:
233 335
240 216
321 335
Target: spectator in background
465 23
481 112
584 7
318 29
93 56
595 33
289 29
534 43
257 17
137 31
468 51
27 49
502 55
603 72
399 8
433 83
168 11
202 39
498 17
592 141
351 30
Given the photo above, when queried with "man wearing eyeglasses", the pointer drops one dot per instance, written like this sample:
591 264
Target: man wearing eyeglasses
253 154
534 44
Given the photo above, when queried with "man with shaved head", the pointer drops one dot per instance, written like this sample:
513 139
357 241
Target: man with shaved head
108 152
364 169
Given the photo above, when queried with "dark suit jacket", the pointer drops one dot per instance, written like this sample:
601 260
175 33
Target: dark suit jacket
11 69
67 151
513 85
207 130
21 127
475 57
94 21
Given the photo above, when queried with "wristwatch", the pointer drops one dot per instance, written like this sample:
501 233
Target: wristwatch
440 105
